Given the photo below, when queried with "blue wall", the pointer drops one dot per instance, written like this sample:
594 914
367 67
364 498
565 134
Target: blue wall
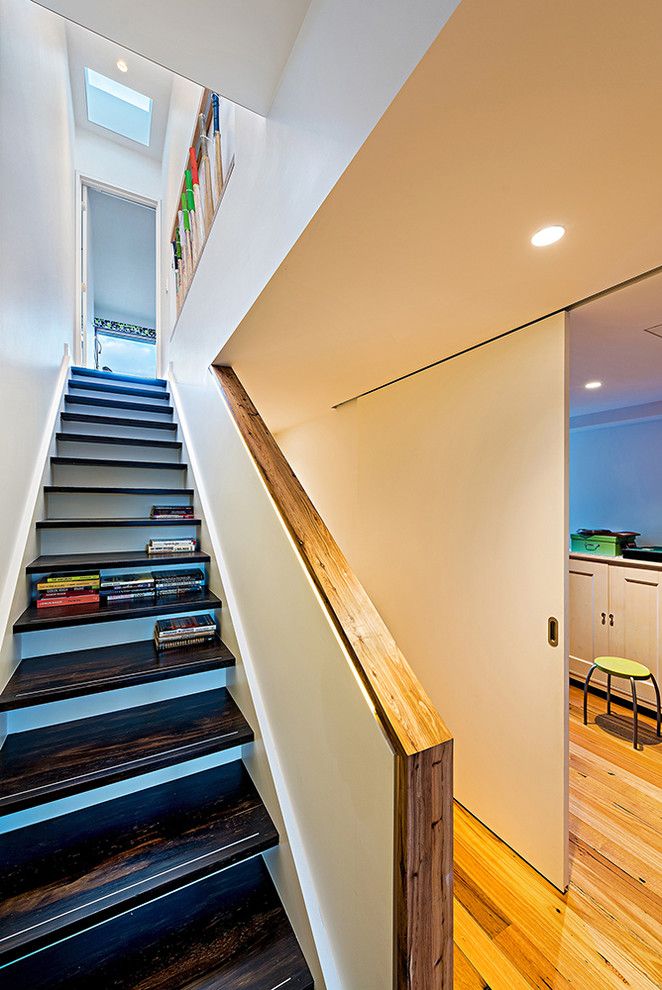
616 479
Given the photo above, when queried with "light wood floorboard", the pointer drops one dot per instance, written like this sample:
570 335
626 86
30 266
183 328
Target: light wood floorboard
514 931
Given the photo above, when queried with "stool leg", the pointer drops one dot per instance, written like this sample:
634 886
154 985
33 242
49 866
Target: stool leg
635 740
588 678
659 707
608 694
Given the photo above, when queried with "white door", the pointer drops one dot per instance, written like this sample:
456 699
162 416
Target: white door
635 622
463 547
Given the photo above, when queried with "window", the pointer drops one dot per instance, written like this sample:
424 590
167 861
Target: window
117 107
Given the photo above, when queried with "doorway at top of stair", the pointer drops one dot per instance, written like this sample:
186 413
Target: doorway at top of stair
118 326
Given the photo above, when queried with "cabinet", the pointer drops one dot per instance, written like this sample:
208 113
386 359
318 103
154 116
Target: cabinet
615 609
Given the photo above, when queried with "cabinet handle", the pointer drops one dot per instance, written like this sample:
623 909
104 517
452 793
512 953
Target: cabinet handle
604 618
611 618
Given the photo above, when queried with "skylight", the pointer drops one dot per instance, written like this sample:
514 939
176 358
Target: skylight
117 107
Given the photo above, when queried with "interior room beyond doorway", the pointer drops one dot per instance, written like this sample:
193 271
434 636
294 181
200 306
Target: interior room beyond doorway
120 296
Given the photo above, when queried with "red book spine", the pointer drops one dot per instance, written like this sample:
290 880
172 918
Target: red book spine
58 602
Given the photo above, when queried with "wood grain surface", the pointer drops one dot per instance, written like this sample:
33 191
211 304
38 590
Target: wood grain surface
514 931
42 764
71 871
42 679
225 932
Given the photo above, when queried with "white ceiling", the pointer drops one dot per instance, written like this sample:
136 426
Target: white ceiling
123 255
237 48
520 115
89 50
609 343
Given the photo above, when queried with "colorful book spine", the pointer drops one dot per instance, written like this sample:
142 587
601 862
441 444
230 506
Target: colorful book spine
183 643
60 602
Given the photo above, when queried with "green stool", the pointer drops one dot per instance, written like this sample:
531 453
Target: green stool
620 667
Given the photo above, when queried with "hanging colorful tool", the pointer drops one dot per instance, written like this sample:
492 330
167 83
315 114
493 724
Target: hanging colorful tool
202 188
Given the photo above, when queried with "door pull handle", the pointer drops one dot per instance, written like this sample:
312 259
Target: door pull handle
553 631
611 618
604 618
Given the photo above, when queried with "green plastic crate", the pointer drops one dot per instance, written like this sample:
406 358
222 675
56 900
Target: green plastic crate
607 546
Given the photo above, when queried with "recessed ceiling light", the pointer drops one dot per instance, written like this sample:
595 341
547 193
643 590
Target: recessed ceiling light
547 235
593 385
122 66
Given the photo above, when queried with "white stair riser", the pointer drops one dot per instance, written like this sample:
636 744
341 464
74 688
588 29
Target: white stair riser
132 785
154 412
134 429
102 539
43 641
91 380
123 396
80 506
117 477
127 452
57 712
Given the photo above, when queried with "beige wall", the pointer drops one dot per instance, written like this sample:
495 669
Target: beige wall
447 493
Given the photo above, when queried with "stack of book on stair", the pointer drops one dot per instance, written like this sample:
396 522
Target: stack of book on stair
133 587
172 512
187 545
58 590
187 630
179 582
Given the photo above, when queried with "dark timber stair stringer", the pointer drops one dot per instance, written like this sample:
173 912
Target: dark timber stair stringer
131 832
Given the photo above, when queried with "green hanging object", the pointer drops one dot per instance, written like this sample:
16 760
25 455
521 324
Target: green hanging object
188 179
178 243
187 222
190 200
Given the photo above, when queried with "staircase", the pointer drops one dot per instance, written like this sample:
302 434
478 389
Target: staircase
161 885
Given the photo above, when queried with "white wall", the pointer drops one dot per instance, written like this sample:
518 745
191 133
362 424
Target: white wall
447 494
348 62
37 311
616 479
331 766
109 162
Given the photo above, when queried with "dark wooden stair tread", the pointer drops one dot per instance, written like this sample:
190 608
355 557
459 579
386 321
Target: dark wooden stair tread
44 764
89 523
91 400
68 872
118 388
114 462
39 680
120 441
110 490
111 376
71 562
34 618
142 424
227 931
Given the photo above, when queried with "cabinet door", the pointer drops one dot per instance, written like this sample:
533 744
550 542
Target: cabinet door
635 601
587 613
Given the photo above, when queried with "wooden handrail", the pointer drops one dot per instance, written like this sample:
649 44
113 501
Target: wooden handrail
421 742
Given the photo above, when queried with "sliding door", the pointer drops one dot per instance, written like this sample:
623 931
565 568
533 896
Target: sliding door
463 547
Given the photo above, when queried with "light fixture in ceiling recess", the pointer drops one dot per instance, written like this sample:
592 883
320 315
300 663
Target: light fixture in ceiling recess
592 385
122 66
547 235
